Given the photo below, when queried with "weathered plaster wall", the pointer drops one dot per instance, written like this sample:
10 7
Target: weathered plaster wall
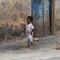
13 15
57 18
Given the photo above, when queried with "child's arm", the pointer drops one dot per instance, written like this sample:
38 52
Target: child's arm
32 31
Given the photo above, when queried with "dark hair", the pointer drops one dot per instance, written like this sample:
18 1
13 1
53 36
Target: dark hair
30 18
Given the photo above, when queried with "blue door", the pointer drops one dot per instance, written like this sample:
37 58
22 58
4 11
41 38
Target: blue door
41 14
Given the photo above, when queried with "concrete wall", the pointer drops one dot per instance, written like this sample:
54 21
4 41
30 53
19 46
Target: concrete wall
13 15
57 18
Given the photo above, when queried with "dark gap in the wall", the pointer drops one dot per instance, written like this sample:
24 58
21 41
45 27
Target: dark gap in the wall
51 17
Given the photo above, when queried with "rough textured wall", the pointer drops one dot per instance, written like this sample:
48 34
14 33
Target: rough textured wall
13 15
57 17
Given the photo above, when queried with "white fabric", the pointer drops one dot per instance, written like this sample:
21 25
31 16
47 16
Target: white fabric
30 38
29 29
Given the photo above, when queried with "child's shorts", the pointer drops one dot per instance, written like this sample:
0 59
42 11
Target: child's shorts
30 38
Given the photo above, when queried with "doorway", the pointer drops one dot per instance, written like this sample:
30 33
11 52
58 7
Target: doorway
42 12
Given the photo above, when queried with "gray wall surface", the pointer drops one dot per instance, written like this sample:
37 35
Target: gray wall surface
57 17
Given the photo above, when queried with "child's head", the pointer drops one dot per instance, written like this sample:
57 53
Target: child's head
29 19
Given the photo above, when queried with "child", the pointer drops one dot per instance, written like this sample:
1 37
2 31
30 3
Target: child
29 30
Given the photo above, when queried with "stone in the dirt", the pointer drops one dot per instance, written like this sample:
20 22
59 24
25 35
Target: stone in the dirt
58 45
36 39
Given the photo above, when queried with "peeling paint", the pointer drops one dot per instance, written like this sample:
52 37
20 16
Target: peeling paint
38 8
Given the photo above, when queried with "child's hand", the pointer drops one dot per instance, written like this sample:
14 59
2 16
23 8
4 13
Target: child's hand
32 32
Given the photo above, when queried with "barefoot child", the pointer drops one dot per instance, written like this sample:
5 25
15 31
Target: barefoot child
29 30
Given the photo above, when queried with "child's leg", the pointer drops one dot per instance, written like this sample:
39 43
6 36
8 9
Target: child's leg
30 40
28 43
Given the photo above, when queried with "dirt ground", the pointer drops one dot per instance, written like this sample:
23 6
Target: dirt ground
44 49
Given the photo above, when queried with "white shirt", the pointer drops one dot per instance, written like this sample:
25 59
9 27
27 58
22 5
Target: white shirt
29 28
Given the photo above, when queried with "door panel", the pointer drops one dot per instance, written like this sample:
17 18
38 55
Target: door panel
46 17
41 14
38 14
